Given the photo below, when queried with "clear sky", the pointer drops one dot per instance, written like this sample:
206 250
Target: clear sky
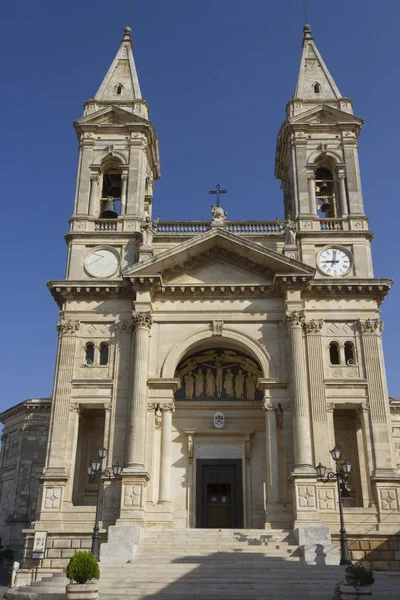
217 75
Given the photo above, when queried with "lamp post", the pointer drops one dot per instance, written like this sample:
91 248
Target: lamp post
341 475
95 470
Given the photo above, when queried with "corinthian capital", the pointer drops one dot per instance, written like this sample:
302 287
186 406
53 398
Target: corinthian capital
370 326
167 406
123 326
294 319
67 327
313 326
142 320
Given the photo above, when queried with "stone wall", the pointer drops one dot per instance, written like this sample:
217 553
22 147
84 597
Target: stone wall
380 553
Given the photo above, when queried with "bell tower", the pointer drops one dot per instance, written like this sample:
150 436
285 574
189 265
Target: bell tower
317 163
118 164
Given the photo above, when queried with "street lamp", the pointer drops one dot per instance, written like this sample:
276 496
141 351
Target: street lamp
341 476
95 470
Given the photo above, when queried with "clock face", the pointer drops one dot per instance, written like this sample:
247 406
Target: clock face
102 262
334 262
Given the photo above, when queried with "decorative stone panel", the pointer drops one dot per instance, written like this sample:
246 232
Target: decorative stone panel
344 372
52 498
133 495
388 498
327 499
306 496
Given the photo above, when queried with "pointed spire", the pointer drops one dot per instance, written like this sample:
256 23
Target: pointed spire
314 82
121 83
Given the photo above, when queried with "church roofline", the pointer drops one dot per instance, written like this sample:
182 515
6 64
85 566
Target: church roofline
30 404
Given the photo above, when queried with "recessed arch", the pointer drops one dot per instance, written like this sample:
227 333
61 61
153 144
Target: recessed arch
230 338
329 157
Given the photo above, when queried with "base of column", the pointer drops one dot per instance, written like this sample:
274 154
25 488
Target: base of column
122 544
133 495
315 542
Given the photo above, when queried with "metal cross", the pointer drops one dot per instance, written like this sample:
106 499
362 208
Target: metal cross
218 191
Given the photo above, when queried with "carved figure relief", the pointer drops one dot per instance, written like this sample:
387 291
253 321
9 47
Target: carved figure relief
220 374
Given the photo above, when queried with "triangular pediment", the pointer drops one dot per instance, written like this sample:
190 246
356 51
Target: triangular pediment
324 114
220 272
112 115
218 254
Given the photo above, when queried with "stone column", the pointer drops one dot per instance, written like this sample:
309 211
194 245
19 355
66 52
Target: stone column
303 457
311 192
67 337
94 196
317 390
83 186
273 484
378 397
164 494
124 181
136 424
343 194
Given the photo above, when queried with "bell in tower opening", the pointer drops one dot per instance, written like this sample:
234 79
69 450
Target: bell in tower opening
325 193
111 194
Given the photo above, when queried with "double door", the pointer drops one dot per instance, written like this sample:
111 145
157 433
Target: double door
219 498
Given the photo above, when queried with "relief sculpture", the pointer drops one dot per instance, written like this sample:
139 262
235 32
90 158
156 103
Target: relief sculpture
220 374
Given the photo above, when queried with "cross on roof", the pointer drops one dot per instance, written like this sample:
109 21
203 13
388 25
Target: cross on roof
218 191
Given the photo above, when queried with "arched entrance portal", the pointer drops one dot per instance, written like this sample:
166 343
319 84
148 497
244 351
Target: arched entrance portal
218 406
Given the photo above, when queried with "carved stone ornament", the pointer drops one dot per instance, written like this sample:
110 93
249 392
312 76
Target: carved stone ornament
123 326
218 327
294 319
142 320
268 406
313 326
68 327
370 326
167 407
219 420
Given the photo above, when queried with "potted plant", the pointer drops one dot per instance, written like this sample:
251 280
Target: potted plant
83 573
358 579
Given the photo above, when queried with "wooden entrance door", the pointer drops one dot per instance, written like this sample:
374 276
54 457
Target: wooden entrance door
219 494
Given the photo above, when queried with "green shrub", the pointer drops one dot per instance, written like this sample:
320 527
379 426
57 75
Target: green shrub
83 567
359 576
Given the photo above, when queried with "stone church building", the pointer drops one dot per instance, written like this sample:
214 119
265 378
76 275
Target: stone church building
217 361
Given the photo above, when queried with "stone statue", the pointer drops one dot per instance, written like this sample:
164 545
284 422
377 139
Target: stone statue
199 383
228 383
289 227
210 383
189 386
219 378
251 386
239 384
147 231
218 213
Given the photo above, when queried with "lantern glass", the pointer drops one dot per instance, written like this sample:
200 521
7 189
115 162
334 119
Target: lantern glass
346 466
335 453
116 469
320 470
89 469
102 453
96 465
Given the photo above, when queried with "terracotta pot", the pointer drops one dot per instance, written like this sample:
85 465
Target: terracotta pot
349 592
82 591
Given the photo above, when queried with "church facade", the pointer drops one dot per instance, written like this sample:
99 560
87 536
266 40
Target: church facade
218 361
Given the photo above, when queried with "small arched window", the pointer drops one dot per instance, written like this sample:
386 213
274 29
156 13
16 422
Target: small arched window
349 353
119 89
111 192
317 88
89 354
334 354
104 353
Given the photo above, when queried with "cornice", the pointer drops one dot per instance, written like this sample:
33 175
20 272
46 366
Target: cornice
33 404
376 289
86 289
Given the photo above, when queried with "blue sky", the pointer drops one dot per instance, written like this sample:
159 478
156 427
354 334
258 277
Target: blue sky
217 75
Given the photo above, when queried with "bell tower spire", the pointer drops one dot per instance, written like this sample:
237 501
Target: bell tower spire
317 147
314 84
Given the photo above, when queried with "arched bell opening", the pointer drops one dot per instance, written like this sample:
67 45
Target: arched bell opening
326 193
218 373
111 192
